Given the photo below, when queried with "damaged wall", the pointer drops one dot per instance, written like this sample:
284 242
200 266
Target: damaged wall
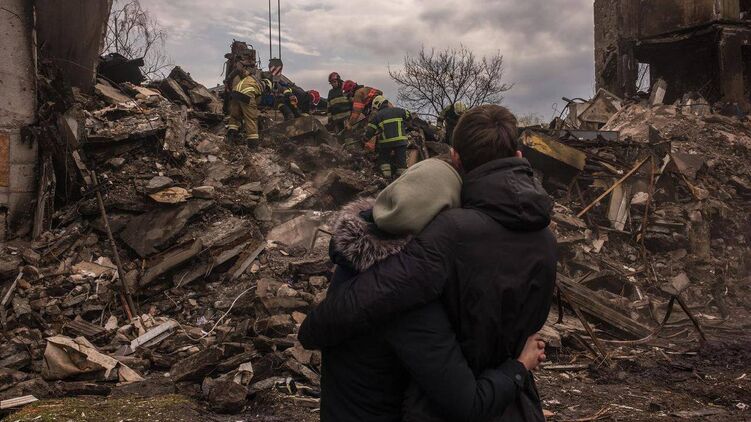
70 34
17 109
694 45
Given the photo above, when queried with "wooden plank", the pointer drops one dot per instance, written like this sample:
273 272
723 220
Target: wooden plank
592 304
18 401
246 258
170 260
615 185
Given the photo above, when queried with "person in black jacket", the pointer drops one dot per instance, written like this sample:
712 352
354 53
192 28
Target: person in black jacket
492 263
389 123
365 379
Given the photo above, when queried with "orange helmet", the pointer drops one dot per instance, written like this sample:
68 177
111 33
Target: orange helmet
315 96
348 86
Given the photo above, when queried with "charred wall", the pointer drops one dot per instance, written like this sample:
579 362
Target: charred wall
694 45
17 110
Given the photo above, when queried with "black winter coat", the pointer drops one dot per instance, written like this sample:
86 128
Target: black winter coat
492 263
365 378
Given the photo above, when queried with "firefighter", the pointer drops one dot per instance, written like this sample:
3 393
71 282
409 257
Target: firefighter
339 105
389 123
294 102
362 97
243 108
315 100
449 117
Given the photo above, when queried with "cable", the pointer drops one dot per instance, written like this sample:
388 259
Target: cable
279 25
271 51
207 333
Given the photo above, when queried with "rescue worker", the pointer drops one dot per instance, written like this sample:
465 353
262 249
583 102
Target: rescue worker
390 124
267 97
243 108
339 105
315 100
294 102
449 117
362 97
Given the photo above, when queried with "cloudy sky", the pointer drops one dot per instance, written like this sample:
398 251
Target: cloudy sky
547 44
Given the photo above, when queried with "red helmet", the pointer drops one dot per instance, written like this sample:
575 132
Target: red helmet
315 96
349 86
334 76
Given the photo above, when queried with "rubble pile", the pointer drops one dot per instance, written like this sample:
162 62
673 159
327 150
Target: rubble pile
220 249
223 249
652 212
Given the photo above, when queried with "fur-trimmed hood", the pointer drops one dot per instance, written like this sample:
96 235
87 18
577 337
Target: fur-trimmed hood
357 242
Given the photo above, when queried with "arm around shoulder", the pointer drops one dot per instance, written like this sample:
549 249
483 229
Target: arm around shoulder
413 277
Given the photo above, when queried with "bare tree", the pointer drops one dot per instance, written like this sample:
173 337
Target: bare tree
133 33
433 79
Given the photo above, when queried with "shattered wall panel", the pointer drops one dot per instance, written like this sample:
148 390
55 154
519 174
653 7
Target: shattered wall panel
71 34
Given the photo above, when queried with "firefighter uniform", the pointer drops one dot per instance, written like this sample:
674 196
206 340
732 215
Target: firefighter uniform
390 124
294 102
339 108
361 99
243 108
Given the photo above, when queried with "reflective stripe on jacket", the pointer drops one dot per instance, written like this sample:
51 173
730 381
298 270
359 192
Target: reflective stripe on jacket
248 86
339 106
390 123
361 100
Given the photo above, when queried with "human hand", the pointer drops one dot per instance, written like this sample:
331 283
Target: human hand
533 353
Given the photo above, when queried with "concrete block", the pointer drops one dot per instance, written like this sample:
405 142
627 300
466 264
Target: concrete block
23 178
22 152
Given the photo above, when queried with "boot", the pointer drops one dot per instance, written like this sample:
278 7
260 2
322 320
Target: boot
231 136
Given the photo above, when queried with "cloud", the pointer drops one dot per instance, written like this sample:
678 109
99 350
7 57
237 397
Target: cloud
547 44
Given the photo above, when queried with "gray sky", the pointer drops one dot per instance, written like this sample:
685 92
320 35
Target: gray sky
547 44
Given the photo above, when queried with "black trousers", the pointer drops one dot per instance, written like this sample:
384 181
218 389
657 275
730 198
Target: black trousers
392 160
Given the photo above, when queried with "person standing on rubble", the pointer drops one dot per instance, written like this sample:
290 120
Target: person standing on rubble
243 108
491 264
362 98
365 380
339 105
449 117
389 123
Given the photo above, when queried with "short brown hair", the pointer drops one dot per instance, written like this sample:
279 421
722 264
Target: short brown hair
485 133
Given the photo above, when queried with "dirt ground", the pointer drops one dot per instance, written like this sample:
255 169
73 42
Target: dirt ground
644 384
711 384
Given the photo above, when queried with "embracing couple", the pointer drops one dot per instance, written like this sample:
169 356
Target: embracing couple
441 284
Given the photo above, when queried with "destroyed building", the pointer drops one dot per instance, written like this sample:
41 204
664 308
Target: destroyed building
693 45
223 248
